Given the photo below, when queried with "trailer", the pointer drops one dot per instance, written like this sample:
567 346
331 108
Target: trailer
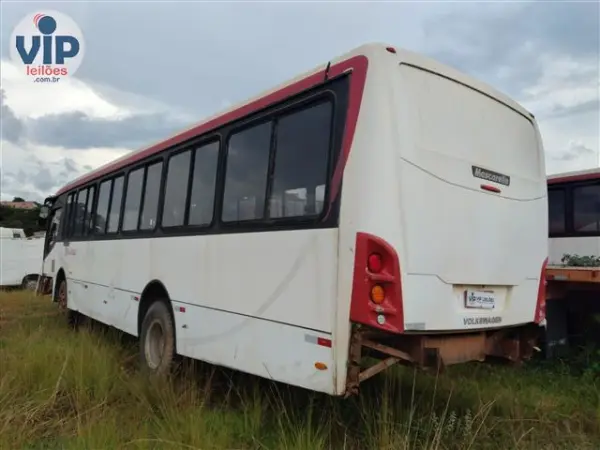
572 307
573 272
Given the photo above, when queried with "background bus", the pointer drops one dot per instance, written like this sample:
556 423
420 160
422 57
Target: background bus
382 204
573 282
574 214
21 259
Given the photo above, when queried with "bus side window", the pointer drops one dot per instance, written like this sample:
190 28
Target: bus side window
102 207
54 231
66 228
133 197
301 161
586 208
115 205
556 211
151 195
203 184
80 210
246 173
89 214
176 187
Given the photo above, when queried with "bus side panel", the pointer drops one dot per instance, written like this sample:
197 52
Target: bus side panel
256 302
261 347
261 303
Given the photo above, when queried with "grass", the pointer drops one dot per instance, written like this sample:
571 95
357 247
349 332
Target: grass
61 389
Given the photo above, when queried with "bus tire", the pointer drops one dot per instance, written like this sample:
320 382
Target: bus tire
157 340
30 283
73 317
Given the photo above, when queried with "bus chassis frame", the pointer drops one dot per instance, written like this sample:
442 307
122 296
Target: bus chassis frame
434 351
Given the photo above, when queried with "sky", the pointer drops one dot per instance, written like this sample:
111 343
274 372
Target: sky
152 69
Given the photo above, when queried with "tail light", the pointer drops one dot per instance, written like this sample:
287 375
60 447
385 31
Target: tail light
376 289
377 294
375 263
540 308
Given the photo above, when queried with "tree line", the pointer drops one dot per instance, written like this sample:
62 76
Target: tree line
26 219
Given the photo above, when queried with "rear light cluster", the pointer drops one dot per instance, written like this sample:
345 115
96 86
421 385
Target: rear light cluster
376 290
540 309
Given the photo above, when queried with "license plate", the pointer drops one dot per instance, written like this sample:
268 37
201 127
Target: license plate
480 299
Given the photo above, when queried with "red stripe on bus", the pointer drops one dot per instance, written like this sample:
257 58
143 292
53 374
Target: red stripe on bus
357 65
572 178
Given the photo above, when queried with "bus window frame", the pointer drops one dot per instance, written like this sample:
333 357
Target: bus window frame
569 187
336 88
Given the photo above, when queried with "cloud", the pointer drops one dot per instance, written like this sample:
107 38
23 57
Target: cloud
567 86
85 119
33 100
12 128
136 85
77 130
546 55
195 66
34 171
510 43
574 151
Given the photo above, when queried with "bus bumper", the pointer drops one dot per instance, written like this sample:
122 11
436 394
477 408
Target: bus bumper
436 351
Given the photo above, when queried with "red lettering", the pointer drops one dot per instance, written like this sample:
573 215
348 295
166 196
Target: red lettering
64 71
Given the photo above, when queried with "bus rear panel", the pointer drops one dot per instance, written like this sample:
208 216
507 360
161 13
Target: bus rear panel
451 243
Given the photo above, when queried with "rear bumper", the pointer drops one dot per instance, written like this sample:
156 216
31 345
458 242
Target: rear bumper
436 351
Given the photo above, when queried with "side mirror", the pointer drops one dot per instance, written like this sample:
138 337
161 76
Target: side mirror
44 212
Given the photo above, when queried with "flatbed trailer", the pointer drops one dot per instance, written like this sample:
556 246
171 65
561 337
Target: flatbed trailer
572 300
557 276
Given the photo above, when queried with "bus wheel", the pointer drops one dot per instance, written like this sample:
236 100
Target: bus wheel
30 283
73 317
157 339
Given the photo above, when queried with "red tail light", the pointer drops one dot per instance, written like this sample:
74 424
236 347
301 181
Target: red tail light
376 289
375 263
540 308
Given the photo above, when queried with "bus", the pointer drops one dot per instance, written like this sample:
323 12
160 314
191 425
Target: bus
573 282
21 259
574 214
382 208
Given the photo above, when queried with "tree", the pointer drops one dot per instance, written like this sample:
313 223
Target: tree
20 218
18 199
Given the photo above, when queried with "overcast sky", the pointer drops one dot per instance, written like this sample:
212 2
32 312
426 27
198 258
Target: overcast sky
151 69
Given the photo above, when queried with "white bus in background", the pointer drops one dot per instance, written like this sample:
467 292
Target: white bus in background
381 204
574 214
20 259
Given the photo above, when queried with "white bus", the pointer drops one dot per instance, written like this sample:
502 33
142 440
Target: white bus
20 259
381 205
574 214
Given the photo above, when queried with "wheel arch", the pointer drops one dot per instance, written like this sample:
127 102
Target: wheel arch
60 276
155 290
30 276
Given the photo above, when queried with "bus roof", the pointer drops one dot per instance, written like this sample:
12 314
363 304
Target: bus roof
306 80
576 175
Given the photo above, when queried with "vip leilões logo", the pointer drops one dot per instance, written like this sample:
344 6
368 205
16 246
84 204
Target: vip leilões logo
48 45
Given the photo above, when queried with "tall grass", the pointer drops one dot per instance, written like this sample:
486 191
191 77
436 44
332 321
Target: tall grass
61 389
